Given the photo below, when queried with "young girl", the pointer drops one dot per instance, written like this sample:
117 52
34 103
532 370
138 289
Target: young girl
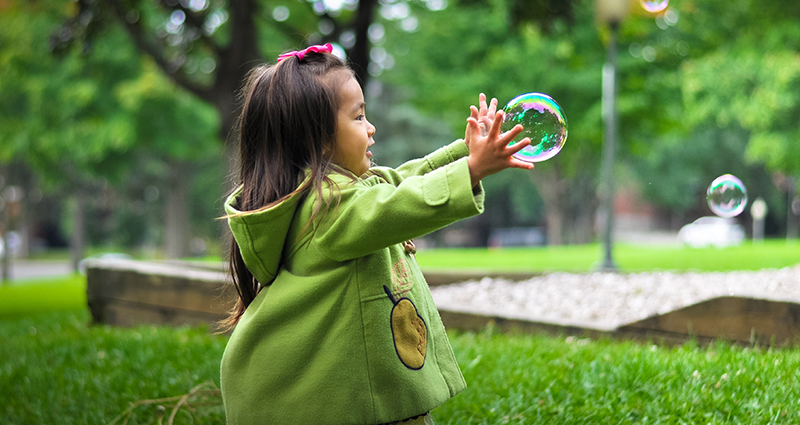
335 323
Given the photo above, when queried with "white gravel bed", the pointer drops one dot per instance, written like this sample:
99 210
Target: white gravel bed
609 300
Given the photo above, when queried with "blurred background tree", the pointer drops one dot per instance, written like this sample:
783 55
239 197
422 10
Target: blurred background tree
91 122
121 110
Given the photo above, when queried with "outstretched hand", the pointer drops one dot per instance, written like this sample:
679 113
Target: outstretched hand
484 115
490 153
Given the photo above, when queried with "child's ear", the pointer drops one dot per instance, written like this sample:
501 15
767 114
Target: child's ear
327 150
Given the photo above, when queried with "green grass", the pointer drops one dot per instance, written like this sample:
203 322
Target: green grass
541 380
57 369
45 295
629 258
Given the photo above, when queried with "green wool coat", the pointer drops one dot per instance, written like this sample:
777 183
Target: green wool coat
345 330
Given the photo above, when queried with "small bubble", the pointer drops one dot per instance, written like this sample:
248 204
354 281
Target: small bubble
654 6
726 196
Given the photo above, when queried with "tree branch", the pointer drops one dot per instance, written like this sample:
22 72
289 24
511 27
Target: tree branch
196 21
157 54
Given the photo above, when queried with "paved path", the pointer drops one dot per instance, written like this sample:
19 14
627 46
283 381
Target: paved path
22 270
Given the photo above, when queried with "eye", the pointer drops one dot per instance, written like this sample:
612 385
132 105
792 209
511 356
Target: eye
360 117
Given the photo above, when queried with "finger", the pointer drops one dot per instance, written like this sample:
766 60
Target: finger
516 147
492 107
486 121
494 131
469 132
473 111
509 135
482 102
472 126
516 163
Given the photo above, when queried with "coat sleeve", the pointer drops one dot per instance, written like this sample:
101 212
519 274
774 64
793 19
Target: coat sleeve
373 216
417 167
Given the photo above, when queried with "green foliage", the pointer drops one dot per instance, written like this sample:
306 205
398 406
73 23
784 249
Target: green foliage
690 95
750 80
59 113
167 120
478 47
469 50
91 112
678 170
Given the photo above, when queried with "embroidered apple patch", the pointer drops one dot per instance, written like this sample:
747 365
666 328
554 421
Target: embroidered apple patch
409 332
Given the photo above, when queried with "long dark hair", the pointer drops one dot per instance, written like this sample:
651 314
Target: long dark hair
287 126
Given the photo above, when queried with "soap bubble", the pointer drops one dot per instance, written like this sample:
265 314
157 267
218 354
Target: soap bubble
727 196
544 122
654 6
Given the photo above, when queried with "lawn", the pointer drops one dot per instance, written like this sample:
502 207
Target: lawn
42 295
629 258
57 368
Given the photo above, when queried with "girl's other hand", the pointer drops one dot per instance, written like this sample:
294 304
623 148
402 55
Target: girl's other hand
485 115
491 154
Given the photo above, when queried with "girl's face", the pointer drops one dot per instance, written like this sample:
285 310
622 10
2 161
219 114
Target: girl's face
353 131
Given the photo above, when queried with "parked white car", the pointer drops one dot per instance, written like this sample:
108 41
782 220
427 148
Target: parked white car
712 231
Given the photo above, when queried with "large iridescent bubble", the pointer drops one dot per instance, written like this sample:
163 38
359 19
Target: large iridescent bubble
654 6
727 196
544 122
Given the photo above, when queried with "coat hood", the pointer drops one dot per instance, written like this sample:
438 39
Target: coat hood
261 235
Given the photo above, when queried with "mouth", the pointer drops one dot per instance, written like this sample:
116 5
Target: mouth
369 154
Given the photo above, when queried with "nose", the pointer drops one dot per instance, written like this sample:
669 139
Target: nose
370 129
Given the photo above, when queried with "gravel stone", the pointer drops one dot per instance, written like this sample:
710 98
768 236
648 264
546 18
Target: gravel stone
609 300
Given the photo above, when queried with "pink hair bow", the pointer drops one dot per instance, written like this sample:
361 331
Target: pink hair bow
321 48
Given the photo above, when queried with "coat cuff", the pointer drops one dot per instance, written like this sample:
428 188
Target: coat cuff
469 200
447 154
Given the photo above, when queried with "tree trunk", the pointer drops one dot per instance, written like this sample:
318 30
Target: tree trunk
551 188
570 204
4 223
581 206
78 240
359 54
6 248
177 220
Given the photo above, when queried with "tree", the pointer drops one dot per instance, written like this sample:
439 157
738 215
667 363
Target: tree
676 69
58 112
80 116
470 48
207 47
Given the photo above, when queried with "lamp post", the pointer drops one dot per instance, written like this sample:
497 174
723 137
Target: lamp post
611 13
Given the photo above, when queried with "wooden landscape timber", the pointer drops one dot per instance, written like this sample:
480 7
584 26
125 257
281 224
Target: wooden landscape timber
127 293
